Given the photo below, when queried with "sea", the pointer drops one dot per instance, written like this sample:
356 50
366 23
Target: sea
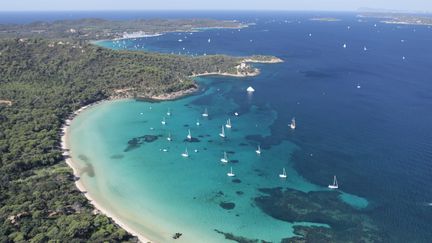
361 95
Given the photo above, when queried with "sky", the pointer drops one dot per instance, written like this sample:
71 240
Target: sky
332 5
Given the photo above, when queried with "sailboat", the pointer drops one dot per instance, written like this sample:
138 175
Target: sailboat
293 124
230 173
205 114
189 136
258 151
209 40
169 138
283 175
163 121
228 124
198 122
222 134
168 112
334 185
225 158
185 153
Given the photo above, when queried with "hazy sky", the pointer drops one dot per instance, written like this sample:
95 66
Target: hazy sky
26 5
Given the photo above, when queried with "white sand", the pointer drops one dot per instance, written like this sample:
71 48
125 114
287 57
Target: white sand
81 187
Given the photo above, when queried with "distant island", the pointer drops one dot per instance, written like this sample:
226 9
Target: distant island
325 19
399 18
49 70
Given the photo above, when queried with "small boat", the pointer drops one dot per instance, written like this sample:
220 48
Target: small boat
283 175
344 46
189 136
258 151
168 112
165 150
364 48
163 121
250 89
231 173
205 114
236 113
180 40
293 124
198 123
334 185
228 124
169 138
225 158
222 134
185 153
209 40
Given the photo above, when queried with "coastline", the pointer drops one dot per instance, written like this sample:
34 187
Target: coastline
70 162
123 94
238 74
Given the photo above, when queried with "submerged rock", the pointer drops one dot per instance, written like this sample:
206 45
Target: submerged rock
227 205
240 239
192 140
347 224
138 141
177 235
236 180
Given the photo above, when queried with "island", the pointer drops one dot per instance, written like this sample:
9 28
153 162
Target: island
51 71
325 19
399 18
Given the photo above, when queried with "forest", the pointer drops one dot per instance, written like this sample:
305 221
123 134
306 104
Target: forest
42 81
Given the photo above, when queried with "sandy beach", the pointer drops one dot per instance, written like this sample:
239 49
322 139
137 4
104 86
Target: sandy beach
80 186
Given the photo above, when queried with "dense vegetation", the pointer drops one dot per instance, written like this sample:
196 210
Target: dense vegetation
94 29
41 83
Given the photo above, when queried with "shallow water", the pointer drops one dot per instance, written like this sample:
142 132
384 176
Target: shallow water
375 138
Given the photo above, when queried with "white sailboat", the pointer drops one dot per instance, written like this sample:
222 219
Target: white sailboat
168 112
205 114
169 138
225 158
185 153
189 136
283 175
163 121
228 124
334 185
198 122
231 173
222 134
293 124
258 151
209 40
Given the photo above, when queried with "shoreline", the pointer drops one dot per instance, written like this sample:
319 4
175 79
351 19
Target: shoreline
256 72
70 162
162 97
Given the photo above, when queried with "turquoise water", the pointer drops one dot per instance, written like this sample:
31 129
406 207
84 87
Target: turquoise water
159 193
362 115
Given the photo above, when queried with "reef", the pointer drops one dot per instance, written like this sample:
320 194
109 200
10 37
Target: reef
135 143
227 205
240 239
347 224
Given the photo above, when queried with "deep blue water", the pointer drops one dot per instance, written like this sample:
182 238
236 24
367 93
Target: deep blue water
377 138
